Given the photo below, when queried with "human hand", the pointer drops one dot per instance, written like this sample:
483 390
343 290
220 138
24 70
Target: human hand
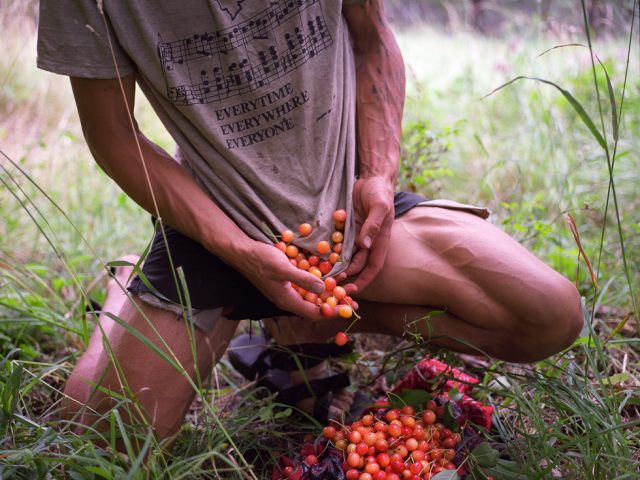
374 210
271 272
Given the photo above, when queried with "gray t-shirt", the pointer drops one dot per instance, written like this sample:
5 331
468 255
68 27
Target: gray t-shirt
259 96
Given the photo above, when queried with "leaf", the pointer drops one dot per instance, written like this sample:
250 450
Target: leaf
612 101
11 390
454 395
99 471
449 420
485 455
584 116
619 327
505 470
576 236
446 475
148 343
409 396
616 378
286 413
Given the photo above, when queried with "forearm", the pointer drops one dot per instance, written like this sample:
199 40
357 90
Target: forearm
170 192
380 91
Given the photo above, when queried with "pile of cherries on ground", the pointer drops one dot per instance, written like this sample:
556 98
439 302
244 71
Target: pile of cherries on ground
399 445
320 264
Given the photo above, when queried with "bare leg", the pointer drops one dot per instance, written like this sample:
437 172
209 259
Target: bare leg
496 296
121 363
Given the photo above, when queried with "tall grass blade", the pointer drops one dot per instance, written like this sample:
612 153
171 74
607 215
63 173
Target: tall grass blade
574 231
560 46
582 113
612 101
148 343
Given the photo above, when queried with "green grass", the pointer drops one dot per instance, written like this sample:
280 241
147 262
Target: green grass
523 152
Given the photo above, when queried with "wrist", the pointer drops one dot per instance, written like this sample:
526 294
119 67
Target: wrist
234 249
387 179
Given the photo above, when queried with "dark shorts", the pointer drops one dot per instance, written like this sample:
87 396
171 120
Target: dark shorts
211 283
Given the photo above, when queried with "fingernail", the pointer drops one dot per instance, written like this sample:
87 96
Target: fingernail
318 288
367 241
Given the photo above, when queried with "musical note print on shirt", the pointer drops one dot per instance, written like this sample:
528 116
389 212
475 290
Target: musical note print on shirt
213 66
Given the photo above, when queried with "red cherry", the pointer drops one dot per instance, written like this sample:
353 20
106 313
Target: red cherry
372 468
311 297
341 339
382 445
428 417
354 460
325 267
397 466
305 229
354 437
362 448
287 236
383 459
329 283
329 432
323 247
345 311
339 292
352 474
311 460
408 410
340 216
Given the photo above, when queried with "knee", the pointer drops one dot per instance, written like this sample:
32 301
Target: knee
82 399
76 396
551 325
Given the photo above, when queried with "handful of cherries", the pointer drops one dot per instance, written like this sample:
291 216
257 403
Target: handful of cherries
320 263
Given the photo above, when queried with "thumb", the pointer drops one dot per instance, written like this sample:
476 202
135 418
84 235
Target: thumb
371 227
306 280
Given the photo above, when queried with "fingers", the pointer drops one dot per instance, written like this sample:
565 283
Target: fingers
292 302
305 280
375 259
378 214
358 262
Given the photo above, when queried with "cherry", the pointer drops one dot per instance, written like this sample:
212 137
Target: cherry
341 339
339 292
287 471
325 267
305 229
323 247
340 216
329 432
345 311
